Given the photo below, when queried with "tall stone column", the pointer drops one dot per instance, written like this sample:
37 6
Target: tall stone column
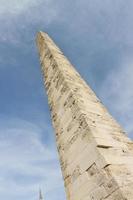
96 156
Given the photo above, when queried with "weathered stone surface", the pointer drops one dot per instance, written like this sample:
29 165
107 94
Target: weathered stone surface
95 154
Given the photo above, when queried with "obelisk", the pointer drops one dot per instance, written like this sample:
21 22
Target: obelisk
96 156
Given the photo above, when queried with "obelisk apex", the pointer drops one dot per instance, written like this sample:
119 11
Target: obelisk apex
96 156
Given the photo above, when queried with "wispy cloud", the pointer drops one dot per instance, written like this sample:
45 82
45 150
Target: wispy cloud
117 93
27 163
18 18
16 7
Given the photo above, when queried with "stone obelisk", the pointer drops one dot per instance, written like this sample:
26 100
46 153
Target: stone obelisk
96 156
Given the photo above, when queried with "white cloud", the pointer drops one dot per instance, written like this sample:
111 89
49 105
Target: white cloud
15 6
26 163
16 16
117 91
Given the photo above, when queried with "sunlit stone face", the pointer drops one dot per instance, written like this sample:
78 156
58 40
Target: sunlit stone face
96 157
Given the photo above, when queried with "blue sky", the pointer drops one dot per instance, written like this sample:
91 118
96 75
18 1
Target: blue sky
97 37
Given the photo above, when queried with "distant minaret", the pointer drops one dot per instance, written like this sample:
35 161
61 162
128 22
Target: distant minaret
40 195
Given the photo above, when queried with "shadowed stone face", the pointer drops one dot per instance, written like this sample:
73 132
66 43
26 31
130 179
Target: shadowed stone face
96 156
